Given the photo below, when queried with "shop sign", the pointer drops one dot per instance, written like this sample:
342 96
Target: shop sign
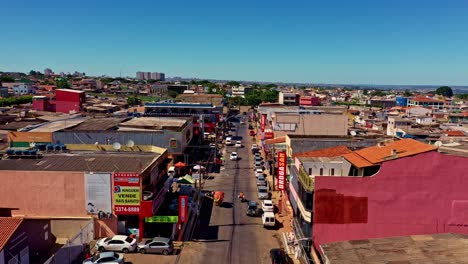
168 219
281 170
127 193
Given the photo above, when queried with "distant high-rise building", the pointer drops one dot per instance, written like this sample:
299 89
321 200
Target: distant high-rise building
151 75
48 72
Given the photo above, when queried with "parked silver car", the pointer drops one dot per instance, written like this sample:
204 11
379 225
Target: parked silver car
105 258
160 245
263 193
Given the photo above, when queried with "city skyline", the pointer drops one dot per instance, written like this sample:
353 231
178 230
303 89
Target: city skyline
354 43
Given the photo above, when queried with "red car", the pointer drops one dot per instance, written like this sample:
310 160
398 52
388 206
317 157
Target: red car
252 133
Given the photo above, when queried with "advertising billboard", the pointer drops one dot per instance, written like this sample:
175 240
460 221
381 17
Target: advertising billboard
127 193
98 192
281 179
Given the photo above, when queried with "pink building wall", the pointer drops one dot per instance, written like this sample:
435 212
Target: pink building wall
43 193
422 194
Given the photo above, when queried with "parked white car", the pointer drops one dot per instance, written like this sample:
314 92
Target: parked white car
267 206
105 258
238 144
117 243
233 156
254 146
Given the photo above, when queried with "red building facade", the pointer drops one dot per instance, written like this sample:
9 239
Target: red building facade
66 101
421 194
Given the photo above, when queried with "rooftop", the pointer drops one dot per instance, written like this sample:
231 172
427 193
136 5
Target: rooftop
98 124
84 161
70 90
326 152
425 100
8 226
393 150
437 248
155 123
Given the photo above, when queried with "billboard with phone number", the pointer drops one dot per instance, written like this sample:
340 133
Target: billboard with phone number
127 193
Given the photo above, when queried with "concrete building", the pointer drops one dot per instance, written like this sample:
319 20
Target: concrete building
398 124
25 240
23 89
309 101
158 76
426 102
288 98
412 190
4 92
63 185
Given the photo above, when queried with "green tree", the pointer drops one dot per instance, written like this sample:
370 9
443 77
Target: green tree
172 94
378 93
16 100
462 96
62 83
133 100
233 83
6 78
445 91
407 93
365 92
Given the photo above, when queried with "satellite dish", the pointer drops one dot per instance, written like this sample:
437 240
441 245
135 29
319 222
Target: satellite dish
438 143
32 145
130 143
116 145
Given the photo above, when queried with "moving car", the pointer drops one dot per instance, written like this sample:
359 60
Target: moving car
161 245
238 144
262 192
278 256
252 133
252 209
105 258
267 206
228 141
233 156
268 219
117 243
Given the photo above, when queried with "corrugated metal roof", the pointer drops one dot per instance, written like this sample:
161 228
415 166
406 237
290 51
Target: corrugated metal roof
106 162
98 124
8 226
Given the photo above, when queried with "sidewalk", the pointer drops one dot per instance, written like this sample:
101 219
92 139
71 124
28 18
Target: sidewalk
284 217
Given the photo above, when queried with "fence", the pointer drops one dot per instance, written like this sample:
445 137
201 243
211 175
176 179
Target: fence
72 251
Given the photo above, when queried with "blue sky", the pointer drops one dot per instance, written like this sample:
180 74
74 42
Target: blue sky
360 42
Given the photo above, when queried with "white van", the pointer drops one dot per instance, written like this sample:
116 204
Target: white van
268 219
171 171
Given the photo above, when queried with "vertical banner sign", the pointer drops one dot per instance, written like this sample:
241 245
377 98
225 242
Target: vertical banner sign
263 122
281 170
98 192
127 193
183 210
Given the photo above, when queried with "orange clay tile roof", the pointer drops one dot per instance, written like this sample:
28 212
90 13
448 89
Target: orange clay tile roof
425 99
375 155
454 133
326 152
8 226
275 140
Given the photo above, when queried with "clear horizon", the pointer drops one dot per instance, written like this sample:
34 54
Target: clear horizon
337 42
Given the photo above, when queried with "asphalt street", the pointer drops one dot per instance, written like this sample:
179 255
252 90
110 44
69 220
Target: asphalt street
226 234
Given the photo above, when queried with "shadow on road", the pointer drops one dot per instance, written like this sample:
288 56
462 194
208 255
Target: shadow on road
204 230
227 205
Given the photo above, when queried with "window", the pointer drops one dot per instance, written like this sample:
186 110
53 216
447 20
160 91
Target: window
332 172
321 171
310 171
